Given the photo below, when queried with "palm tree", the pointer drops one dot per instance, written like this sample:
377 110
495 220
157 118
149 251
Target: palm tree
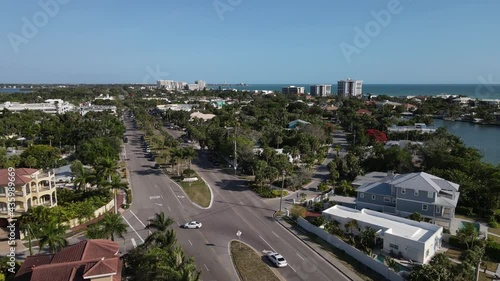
189 154
350 225
467 234
160 222
84 177
105 168
113 224
95 231
177 154
52 235
115 184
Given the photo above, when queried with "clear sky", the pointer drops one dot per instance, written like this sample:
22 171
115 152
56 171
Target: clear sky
251 41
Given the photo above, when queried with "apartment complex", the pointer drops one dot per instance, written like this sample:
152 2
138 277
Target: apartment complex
293 90
417 127
51 106
172 85
92 260
433 197
416 241
349 88
321 90
32 188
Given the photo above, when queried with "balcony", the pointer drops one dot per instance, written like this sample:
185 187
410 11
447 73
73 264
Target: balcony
19 193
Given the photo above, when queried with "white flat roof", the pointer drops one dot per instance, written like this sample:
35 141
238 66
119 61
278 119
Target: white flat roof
397 226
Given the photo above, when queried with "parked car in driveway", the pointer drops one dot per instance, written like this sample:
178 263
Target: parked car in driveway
193 224
277 259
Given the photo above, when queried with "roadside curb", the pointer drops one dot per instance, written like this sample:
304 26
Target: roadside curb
351 276
211 192
185 194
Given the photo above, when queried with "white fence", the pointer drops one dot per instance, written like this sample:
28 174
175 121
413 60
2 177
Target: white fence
379 267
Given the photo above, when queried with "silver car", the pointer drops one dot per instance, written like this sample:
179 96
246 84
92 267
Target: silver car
193 224
277 259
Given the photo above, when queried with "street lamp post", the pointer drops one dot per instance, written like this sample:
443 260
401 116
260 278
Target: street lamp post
282 186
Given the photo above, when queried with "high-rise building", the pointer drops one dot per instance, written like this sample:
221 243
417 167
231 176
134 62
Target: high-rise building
350 88
293 90
201 84
321 90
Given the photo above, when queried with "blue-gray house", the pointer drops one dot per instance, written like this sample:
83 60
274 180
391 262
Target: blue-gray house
433 197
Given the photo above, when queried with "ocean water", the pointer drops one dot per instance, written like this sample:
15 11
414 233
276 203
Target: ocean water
10 90
490 91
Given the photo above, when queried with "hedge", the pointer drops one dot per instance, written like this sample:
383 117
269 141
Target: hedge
493 251
455 242
466 211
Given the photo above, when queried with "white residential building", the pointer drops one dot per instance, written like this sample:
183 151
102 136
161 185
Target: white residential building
349 88
51 106
421 127
321 90
104 97
88 107
415 241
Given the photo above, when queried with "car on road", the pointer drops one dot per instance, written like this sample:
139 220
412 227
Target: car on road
193 224
148 150
156 166
277 259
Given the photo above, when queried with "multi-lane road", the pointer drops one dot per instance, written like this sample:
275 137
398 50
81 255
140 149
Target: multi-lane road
234 208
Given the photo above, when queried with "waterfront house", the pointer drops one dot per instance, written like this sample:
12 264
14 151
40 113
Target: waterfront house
418 127
415 241
433 197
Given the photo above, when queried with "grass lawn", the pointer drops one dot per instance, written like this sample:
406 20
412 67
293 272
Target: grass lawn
492 266
494 238
465 217
494 230
197 191
454 254
249 264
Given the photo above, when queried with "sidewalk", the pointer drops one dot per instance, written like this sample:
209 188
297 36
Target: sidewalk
319 249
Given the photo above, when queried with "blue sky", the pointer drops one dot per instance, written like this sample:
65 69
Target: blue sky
251 41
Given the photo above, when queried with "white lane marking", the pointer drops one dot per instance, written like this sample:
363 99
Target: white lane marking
161 205
231 191
275 234
178 224
300 256
154 197
156 186
137 218
190 242
133 228
292 268
267 243
241 203
169 209
133 243
206 267
180 196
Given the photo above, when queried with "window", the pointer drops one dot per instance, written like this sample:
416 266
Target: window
403 190
425 207
387 199
438 209
430 194
427 253
361 195
393 200
415 192
394 246
374 197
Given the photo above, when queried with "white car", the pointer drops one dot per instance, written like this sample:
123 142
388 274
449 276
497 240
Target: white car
193 224
277 259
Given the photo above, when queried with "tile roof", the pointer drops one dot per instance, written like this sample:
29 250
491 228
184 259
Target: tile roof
22 176
86 259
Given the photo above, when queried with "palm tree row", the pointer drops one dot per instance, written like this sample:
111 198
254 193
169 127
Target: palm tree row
110 226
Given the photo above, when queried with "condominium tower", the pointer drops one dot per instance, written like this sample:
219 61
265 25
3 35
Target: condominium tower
321 90
349 88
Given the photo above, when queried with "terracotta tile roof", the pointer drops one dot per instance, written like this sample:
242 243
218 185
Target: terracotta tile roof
84 259
363 111
23 176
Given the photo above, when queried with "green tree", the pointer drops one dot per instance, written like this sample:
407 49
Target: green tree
416 216
467 234
113 225
52 235
45 155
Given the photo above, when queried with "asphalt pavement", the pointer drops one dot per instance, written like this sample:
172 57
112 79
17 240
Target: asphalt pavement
235 208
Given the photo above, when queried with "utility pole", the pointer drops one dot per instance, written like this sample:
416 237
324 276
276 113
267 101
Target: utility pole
282 186
235 154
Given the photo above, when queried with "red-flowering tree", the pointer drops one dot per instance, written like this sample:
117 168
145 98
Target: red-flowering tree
376 135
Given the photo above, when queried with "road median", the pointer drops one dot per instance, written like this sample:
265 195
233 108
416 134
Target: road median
196 190
249 264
